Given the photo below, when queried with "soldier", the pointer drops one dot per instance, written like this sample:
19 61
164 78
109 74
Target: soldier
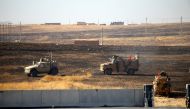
162 84
114 58
115 61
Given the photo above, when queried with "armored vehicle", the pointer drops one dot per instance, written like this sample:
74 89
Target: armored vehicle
161 84
118 64
45 65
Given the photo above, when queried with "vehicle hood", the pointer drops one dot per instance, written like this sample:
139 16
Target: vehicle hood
107 63
32 66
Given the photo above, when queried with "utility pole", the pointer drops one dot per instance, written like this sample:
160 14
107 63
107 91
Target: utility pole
7 29
102 36
20 31
3 29
0 29
7 32
146 26
181 24
50 56
98 22
10 28
3 33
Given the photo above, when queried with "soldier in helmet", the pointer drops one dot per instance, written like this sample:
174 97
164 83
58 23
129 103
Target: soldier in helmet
115 61
162 84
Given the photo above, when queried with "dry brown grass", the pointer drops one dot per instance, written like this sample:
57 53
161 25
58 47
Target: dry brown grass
76 82
150 41
51 82
162 40
83 81
169 102
66 28
59 28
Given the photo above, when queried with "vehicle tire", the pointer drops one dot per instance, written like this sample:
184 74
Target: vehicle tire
168 93
34 73
108 71
130 71
54 71
29 74
187 103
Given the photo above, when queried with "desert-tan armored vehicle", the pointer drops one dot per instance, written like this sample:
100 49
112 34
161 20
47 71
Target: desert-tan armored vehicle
118 64
161 84
45 65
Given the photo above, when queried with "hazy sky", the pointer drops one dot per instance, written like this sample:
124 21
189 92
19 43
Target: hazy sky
104 11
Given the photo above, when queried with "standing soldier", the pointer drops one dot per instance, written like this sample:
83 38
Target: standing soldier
115 61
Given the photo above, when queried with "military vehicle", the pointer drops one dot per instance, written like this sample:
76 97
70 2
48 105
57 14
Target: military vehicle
45 65
118 64
161 84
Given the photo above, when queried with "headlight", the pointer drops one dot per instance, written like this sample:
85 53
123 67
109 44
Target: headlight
27 70
102 67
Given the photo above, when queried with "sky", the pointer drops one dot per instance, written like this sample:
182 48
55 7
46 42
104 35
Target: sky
97 11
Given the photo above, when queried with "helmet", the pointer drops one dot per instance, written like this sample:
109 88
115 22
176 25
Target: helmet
163 73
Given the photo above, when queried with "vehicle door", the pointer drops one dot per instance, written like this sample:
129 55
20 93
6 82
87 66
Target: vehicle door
121 64
43 67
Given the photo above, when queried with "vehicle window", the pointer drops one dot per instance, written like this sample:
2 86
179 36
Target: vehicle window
41 65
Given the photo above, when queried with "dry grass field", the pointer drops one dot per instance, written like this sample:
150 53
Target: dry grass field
156 35
79 68
169 102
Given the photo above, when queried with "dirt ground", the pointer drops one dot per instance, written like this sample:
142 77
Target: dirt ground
79 66
77 63
80 70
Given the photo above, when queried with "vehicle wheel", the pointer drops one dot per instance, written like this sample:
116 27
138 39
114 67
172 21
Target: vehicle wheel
54 71
168 93
29 74
130 71
187 104
34 73
108 71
